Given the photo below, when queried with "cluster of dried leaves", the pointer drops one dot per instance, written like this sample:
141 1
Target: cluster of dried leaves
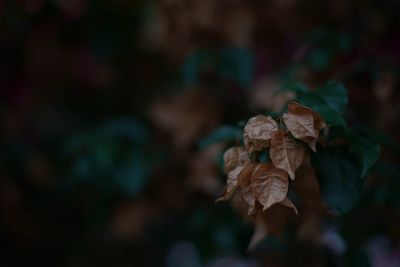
263 184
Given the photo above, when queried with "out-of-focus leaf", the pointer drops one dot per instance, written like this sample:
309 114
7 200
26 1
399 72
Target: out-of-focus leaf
320 58
236 64
120 128
325 47
389 191
297 87
186 115
340 178
367 151
133 174
114 156
377 137
334 94
192 66
126 128
267 94
337 131
223 133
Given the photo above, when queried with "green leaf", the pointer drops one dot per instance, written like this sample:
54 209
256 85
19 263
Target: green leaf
223 133
366 150
316 103
339 177
334 94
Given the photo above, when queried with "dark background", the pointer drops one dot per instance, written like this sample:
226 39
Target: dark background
103 105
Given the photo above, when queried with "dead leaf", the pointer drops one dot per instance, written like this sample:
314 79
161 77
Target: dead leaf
269 184
288 203
285 153
235 158
303 123
244 181
231 184
258 131
300 125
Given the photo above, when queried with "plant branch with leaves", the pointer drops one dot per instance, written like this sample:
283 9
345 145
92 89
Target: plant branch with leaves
305 156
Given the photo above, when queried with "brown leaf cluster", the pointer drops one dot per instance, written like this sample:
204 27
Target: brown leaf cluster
263 184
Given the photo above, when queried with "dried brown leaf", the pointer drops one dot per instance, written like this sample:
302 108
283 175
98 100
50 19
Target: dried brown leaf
269 184
285 153
231 183
258 131
235 159
244 181
303 123
319 123
300 125
288 203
